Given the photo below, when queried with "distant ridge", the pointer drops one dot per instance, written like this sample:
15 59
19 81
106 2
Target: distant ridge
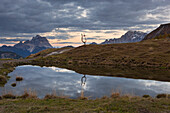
12 55
28 47
128 37
163 29
93 43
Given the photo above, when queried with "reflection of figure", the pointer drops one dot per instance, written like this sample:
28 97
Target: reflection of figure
83 80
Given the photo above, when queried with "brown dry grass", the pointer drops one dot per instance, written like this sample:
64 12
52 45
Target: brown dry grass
151 53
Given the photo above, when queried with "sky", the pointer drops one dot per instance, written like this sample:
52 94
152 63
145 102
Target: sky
63 21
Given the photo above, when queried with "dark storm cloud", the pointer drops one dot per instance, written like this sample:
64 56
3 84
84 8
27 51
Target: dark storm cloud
91 38
67 43
61 36
96 38
40 16
10 41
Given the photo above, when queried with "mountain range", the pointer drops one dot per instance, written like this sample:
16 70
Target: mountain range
28 47
128 37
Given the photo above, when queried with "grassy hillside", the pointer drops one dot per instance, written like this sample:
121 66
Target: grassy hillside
10 55
149 53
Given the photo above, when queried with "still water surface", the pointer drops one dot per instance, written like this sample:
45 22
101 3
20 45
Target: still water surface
45 80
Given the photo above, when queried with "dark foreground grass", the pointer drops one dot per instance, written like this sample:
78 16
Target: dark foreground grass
7 68
117 105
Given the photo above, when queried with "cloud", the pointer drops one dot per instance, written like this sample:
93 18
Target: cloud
67 43
91 38
96 38
60 36
10 41
32 17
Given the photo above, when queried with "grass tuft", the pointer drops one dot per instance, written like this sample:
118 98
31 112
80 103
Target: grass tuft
25 95
8 96
104 97
29 94
146 96
2 79
115 95
50 96
161 96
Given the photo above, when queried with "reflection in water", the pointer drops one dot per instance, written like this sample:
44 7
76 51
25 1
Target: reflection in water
83 83
44 80
83 80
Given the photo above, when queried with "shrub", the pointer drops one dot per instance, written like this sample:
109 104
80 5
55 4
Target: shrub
104 97
29 94
9 96
115 95
83 98
50 96
161 96
3 79
146 96
25 95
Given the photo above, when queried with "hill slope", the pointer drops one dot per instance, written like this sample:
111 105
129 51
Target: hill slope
163 30
9 55
152 53
18 51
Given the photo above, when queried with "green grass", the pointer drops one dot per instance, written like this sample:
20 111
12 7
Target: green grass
7 68
6 59
58 105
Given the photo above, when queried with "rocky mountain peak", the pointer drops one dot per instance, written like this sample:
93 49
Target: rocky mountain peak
36 44
128 37
38 37
20 42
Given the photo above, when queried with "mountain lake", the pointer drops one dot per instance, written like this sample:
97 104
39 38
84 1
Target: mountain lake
46 80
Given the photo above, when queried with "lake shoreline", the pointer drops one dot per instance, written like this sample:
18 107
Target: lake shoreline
112 71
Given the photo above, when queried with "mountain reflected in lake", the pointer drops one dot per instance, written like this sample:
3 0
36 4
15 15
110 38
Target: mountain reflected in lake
45 80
